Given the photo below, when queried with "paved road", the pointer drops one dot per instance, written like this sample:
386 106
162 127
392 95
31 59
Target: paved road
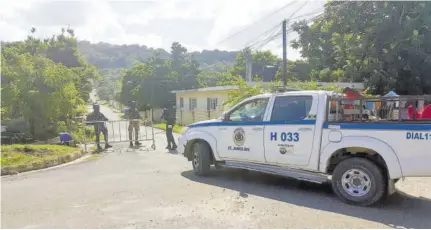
156 189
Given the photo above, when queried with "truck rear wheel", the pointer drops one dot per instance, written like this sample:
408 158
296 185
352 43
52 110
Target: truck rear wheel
201 158
359 181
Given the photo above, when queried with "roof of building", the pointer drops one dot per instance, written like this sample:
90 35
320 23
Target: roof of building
215 88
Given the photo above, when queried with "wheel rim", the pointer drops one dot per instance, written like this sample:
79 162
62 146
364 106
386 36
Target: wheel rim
356 182
195 158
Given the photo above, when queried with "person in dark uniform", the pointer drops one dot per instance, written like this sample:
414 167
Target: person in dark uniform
169 116
133 116
98 120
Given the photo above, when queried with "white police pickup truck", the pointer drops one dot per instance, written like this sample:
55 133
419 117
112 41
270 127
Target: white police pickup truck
292 134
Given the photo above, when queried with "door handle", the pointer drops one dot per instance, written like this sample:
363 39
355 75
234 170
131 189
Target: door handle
257 129
304 129
222 128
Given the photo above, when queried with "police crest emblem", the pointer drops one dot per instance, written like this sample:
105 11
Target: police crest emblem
239 136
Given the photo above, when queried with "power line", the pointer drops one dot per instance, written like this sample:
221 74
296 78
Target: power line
293 14
278 34
266 33
270 39
265 17
267 36
261 41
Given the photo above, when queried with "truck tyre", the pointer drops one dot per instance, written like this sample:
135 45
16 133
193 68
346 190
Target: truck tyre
359 181
201 159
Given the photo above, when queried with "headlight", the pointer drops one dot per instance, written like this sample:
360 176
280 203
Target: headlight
184 130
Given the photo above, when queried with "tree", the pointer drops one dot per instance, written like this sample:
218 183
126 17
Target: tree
385 44
151 82
46 83
110 56
260 59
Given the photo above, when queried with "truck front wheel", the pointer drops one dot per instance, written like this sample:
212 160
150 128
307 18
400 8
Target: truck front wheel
359 181
201 158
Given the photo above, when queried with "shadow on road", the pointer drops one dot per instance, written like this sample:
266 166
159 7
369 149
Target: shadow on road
399 211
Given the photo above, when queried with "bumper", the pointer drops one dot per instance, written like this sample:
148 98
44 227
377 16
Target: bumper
181 144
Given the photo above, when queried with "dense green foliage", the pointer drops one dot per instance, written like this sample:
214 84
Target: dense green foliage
149 83
384 44
45 82
109 56
108 87
214 66
228 74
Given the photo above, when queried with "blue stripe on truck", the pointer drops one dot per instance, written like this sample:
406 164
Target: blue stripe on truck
381 126
367 126
251 123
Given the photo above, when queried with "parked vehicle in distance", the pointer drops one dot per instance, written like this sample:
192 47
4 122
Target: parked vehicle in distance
313 136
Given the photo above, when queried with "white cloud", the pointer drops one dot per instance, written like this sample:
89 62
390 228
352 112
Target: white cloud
197 24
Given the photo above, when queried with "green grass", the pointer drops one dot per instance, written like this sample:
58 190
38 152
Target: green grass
15 155
177 128
94 156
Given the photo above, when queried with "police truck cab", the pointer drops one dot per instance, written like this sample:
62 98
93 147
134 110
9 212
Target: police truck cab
316 136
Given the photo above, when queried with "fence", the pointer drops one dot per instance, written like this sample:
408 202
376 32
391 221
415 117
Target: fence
400 108
118 132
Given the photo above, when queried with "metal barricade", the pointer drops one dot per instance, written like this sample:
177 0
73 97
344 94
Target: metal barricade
118 132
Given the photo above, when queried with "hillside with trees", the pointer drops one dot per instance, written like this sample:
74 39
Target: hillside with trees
386 45
110 56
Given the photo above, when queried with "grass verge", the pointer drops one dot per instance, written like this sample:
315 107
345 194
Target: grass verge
92 157
22 158
176 129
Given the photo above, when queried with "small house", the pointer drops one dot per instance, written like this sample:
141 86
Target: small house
202 103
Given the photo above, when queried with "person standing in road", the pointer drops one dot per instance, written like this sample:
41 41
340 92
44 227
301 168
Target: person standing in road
98 120
133 116
169 116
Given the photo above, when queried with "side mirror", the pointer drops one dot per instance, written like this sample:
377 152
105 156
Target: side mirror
223 117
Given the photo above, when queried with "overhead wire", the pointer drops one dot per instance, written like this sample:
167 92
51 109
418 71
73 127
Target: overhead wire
266 37
256 22
271 35
321 13
258 45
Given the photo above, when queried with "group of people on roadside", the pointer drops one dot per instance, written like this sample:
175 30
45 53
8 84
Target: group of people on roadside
98 119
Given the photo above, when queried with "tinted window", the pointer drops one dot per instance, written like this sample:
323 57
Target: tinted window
291 108
250 111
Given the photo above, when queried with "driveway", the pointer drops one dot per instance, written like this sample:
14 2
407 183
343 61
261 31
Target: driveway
127 188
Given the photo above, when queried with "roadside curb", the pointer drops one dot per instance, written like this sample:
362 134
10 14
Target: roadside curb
37 166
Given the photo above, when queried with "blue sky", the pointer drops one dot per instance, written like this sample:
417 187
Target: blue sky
197 24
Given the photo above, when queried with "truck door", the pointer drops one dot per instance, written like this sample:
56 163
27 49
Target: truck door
290 133
240 135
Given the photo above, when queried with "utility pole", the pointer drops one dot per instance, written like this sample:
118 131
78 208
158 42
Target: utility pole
284 53
248 64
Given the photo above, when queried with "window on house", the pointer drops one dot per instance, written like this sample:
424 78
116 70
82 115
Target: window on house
212 103
181 103
192 103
